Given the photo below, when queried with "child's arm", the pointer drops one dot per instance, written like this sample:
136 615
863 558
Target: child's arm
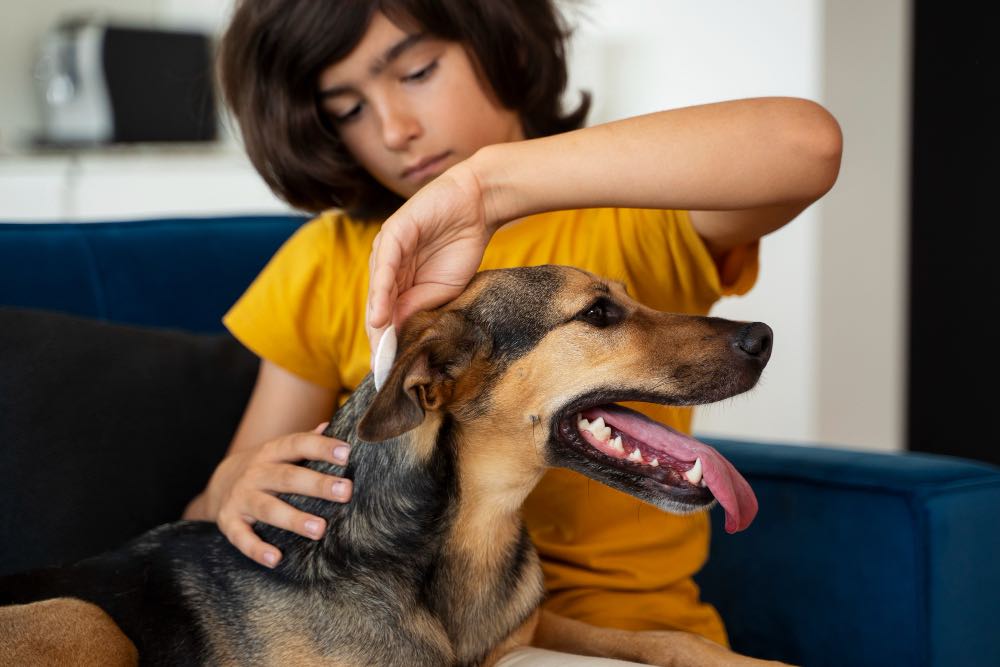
272 436
743 168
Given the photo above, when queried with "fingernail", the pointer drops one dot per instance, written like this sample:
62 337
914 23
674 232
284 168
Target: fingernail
314 527
270 558
340 489
340 454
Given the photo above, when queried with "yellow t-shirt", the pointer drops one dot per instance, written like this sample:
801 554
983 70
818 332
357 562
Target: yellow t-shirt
608 558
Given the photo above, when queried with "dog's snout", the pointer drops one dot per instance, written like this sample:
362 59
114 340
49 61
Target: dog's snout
754 340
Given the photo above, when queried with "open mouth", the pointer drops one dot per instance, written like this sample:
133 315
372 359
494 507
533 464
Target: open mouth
691 473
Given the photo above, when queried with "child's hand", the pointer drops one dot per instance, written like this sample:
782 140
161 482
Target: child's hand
428 250
243 489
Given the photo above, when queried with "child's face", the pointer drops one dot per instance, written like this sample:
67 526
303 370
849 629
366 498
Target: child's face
408 107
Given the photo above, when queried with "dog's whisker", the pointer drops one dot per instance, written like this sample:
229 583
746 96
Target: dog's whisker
534 440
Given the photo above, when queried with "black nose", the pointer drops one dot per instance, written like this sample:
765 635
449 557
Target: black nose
754 340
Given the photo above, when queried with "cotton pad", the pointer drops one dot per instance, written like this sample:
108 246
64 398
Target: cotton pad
385 354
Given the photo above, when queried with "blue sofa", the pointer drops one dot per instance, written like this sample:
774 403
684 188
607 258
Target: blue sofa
855 558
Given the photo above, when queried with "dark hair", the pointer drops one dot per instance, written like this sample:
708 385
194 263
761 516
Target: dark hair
273 52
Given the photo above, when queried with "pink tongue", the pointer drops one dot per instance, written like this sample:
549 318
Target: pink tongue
727 485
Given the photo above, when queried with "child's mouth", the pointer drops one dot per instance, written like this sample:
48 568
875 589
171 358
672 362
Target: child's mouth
426 167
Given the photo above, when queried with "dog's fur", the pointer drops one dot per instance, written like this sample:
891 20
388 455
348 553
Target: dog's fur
430 563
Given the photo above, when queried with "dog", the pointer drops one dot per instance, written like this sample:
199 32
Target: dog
430 563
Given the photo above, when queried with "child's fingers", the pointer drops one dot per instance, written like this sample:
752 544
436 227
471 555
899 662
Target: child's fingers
424 296
238 531
385 262
287 478
277 513
321 427
306 447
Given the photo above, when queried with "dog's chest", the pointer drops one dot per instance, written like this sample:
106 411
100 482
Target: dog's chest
482 607
453 618
350 621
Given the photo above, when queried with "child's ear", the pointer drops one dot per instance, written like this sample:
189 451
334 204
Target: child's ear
433 356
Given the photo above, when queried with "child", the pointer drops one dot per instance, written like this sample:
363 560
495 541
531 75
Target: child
449 112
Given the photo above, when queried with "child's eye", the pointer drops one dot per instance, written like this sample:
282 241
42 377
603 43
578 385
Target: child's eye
421 73
349 116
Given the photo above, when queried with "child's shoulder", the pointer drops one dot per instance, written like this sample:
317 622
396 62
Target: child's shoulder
335 222
335 232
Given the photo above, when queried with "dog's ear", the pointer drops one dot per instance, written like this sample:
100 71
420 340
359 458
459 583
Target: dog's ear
436 349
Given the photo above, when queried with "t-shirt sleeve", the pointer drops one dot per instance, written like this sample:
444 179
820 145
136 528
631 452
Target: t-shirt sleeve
286 315
676 266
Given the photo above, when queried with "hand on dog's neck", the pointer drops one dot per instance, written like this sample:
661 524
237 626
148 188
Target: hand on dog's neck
432 518
396 506
421 492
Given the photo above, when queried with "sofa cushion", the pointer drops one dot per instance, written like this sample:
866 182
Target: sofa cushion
106 430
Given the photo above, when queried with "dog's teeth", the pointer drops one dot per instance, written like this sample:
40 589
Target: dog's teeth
703 485
617 444
654 463
595 427
694 474
635 455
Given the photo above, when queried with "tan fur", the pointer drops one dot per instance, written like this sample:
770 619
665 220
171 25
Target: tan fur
495 475
294 649
423 439
62 631
274 626
497 472
664 648
521 637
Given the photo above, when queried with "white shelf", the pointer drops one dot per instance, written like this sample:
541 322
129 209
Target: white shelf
131 183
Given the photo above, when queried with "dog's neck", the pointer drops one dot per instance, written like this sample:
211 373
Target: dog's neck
398 506
427 512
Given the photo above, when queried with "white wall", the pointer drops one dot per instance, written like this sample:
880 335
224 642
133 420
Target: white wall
831 282
862 270
639 56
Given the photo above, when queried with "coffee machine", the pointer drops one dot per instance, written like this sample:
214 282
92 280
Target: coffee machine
102 83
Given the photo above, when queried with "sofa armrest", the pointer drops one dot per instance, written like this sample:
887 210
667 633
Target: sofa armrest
858 558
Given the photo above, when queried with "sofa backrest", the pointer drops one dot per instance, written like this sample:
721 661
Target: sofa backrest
178 273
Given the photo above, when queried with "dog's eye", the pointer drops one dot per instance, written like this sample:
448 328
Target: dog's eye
602 313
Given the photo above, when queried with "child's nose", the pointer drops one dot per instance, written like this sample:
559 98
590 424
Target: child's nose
399 126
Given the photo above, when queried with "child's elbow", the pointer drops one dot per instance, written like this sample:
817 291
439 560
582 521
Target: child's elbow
820 138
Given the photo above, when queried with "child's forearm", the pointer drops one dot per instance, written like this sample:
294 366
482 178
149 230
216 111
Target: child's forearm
744 154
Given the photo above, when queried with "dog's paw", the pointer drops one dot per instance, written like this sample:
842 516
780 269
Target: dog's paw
668 648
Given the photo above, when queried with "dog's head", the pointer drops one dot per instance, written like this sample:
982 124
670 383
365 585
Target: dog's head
529 364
